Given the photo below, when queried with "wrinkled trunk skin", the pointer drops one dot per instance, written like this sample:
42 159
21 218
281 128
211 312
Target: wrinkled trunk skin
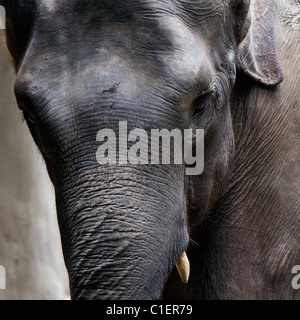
126 243
123 227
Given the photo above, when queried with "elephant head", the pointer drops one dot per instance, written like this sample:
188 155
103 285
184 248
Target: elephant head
85 66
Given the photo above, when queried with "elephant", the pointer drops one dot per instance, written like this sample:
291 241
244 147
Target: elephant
149 231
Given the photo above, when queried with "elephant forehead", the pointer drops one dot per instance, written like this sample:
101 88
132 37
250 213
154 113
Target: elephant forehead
194 12
103 33
189 56
49 5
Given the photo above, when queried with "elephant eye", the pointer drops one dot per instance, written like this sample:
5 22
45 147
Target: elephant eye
28 117
200 105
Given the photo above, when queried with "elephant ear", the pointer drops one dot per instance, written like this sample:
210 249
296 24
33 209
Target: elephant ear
257 53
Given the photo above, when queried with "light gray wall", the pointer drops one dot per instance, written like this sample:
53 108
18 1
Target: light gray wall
30 247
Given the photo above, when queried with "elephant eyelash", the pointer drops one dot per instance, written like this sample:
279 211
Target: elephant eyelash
29 118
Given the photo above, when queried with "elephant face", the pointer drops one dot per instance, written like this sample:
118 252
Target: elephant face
85 66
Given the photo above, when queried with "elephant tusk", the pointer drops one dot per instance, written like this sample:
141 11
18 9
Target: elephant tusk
183 267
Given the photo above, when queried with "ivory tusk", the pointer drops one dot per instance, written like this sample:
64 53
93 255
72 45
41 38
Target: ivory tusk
183 267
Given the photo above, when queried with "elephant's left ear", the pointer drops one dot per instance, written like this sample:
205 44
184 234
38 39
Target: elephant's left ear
257 53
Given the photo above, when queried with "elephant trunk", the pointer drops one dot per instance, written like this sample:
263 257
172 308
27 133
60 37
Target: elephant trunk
122 231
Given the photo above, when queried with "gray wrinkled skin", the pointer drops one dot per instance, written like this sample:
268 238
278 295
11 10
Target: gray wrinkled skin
179 64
